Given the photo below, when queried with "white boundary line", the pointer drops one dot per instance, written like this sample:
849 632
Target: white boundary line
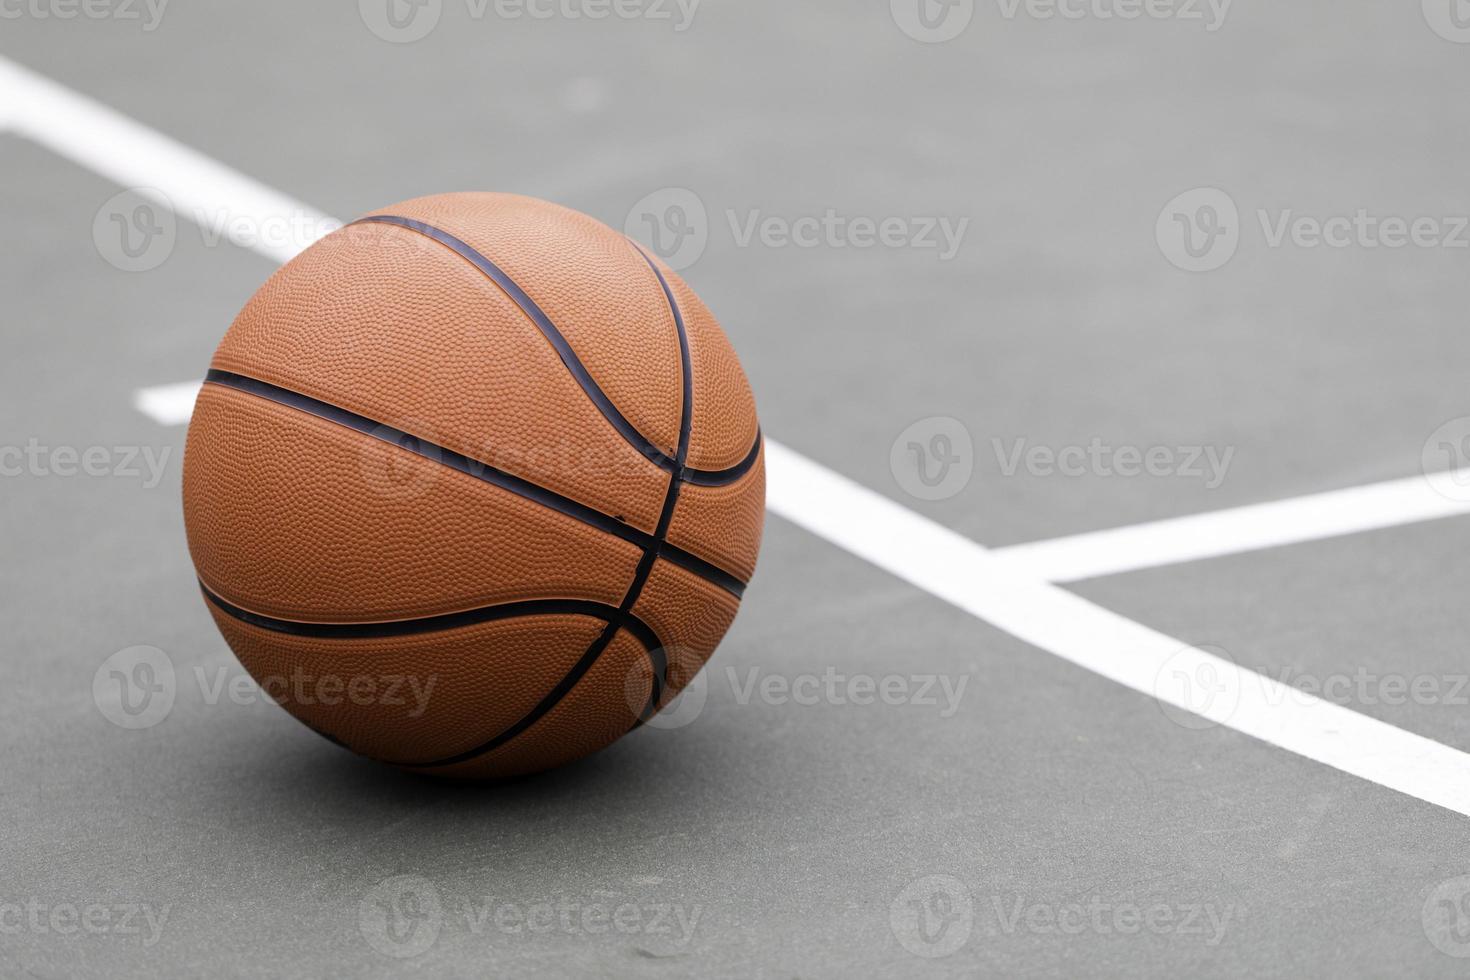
168 404
854 518
1314 517
962 573
188 183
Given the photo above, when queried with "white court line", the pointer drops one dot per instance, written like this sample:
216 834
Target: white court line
893 538
964 574
168 404
1314 517
190 184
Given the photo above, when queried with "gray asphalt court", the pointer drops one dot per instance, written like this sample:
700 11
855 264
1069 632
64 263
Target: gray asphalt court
1027 268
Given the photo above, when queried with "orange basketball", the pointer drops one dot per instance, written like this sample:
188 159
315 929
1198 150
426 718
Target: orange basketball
474 485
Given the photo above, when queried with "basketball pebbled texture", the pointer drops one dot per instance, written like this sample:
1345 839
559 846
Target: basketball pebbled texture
474 485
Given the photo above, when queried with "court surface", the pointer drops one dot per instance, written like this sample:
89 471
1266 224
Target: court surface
1235 743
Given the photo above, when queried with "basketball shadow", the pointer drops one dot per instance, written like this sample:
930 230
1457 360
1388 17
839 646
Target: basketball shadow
306 801
358 779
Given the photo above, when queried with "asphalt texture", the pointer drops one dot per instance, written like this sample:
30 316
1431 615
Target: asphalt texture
1017 817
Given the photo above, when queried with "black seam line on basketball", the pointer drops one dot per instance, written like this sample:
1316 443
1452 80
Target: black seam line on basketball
676 478
686 367
640 575
686 412
626 429
605 612
645 564
543 707
685 473
615 618
481 471
528 306
720 478
657 658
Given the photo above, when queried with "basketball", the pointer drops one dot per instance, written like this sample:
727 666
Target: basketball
474 485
